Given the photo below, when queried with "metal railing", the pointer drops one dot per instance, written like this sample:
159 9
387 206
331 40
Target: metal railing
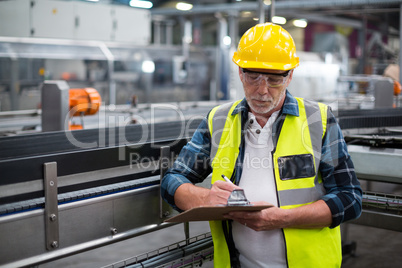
387 202
192 252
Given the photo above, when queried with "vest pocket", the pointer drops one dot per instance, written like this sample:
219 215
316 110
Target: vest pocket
296 166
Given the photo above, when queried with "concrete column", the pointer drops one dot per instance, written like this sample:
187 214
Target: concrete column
157 32
14 84
169 32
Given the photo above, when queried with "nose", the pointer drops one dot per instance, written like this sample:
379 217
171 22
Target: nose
263 86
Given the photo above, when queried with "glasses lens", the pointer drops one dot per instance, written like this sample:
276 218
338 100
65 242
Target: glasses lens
275 80
254 79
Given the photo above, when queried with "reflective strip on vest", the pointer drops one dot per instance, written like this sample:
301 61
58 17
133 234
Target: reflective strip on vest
311 122
316 130
219 117
225 132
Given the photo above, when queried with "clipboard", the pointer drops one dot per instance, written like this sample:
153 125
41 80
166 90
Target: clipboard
212 213
236 202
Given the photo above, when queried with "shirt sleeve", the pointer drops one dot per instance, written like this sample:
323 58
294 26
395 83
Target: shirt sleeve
191 166
343 192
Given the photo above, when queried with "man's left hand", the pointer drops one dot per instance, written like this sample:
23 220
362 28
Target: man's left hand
314 215
263 220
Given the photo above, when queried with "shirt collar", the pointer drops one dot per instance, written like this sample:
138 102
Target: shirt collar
290 106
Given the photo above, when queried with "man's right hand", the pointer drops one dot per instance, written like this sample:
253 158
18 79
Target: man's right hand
189 196
220 192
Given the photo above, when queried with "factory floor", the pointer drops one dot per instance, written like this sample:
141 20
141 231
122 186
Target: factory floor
375 248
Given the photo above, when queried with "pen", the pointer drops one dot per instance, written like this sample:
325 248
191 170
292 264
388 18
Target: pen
226 179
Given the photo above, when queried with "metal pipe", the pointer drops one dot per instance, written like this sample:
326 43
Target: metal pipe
187 38
233 28
282 5
326 19
362 44
400 42
83 247
261 11
222 69
272 9
110 65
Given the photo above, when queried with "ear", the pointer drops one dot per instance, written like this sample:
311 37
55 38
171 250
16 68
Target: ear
290 77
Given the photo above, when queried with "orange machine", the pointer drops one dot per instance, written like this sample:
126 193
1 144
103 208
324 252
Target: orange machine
83 101
397 88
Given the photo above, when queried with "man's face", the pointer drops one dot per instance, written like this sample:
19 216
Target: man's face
264 89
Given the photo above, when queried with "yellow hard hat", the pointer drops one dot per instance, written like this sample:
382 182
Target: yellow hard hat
266 46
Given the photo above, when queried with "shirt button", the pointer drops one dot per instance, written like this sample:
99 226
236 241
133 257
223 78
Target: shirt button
258 131
251 121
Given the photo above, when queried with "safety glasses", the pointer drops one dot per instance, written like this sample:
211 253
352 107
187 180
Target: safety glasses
273 80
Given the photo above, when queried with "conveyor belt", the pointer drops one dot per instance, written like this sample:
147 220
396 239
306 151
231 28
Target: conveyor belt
82 225
61 141
22 157
35 203
101 193
387 139
376 118
186 253
383 202
100 196
80 160
381 211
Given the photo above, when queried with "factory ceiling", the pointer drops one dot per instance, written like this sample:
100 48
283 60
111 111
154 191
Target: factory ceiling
384 14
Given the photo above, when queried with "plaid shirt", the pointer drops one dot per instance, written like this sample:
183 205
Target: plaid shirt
343 193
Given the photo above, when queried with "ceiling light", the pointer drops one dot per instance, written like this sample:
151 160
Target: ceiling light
278 20
227 40
184 6
300 23
267 2
141 4
148 66
245 14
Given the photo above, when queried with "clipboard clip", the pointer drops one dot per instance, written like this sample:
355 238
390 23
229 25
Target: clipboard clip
238 198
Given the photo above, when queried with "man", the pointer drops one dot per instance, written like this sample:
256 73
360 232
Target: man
281 150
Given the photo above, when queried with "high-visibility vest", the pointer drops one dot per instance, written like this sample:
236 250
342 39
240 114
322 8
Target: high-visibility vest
298 145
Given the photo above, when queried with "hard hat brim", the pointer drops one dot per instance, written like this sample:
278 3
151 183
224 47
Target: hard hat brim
265 65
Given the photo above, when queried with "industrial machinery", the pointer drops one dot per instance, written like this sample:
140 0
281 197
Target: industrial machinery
117 71
368 92
374 139
60 198
60 105
68 199
83 101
